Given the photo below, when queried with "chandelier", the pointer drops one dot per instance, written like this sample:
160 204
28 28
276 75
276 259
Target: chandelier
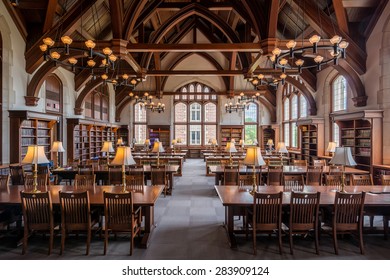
292 59
243 99
261 79
230 107
122 80
159 107
144 100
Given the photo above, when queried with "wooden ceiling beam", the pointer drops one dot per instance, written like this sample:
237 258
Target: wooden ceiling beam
200 47
359 3
131 16
273 19
50 12
341 15
117 14
147 13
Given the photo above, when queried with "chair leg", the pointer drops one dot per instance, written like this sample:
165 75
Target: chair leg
371 221
131 242
25 240
88 241
63 236
280 240
316 232
291 242
336 249
51 241
254 241
105 240
361 242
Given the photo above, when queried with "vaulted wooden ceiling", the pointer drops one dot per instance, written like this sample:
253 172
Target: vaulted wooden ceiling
143 32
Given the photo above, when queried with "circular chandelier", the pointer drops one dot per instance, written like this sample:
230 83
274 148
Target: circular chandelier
261 79
243 99
230 107
159 107
292 59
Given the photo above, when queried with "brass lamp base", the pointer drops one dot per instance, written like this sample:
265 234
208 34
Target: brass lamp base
124 180
254 187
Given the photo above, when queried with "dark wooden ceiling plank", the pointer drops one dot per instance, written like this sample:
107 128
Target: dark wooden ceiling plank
50 12
341 15
273 19
131 17
117 14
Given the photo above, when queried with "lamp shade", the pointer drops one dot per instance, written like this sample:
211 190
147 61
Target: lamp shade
107 147
331 147
147 142
214 142
230 147
343 156
35 155
253 157
281 148
255 142
123 156
158 147
210 141
120 141
270 142
174 141
57 147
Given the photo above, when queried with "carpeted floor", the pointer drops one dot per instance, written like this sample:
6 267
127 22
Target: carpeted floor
190 226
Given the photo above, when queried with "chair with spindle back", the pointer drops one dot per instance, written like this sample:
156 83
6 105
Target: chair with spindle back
42 181
293 183
303 216
135 183
114 175
84 182
231 175
336 169
314 176
299 162
361 180
265 216
17 174
159 176
120 216
37 216
333 181
274 175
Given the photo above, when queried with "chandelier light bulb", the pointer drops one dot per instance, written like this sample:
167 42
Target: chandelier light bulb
260 76
104 77
314 39
299 62
283 76
66 40
255 82
276 51
125 76
43 47
107 51
283 62
291 44
131 94
112 57
90 44
48 41
72 60
335 39
343 44
257 94
55 55
91 63
318 59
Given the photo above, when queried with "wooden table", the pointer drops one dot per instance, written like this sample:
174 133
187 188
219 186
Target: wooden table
147 199
287 169
236 198
102 173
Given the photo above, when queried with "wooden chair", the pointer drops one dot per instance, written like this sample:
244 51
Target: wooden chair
42 180
135 183
265 216
231 175
45 169
348 216
76 216
85 169
274 175
4 182
93 162
120 216
361 180
17 174
136 170
114 175
299 162
246 180
293 183
319 162
385 179
158 176
314 176
37 216
84 182
6 214
333 181
304 211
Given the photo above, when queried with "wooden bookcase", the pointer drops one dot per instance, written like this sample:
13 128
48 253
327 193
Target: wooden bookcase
30 128
362 131
86 138
230 132
311 138
159 132
268 133
123 131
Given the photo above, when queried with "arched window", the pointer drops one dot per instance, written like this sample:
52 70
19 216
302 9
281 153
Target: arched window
339 94
53 94
250 123
140 123
96 104
196 116
302 106
286 124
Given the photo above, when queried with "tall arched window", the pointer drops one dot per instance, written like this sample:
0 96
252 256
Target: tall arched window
339 94
53 94
195 114
250 123
140 123
96 104
286 119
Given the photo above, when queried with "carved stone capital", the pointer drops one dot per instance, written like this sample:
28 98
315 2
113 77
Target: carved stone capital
78 111
360 101
31 100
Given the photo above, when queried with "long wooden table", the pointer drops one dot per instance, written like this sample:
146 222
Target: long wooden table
146 199
237 198
102 173
287 169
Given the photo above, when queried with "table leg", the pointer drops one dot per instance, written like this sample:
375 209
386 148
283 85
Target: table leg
148 213
229 226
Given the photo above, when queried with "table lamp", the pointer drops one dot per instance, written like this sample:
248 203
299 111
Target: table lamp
57 148
281 149
343 157
214 143
119 142
147 144
331 148
158 148
35 155
107 148
123 157
253 158
174 142
241 144
230 148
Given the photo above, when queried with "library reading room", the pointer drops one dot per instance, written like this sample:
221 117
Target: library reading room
194 130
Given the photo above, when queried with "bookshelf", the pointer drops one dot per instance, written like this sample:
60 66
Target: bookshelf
362 131
268 133
86 138
123 131
230 132
160 132
312 138
31 128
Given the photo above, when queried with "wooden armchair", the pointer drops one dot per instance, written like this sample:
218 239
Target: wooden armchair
17 174
114 175
274 175
158 176
303 216
314 176
361 180
120 216
135 183
231 175
293 183
265 216
84 182
76 216
37 216
42 180
333 181
319 162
